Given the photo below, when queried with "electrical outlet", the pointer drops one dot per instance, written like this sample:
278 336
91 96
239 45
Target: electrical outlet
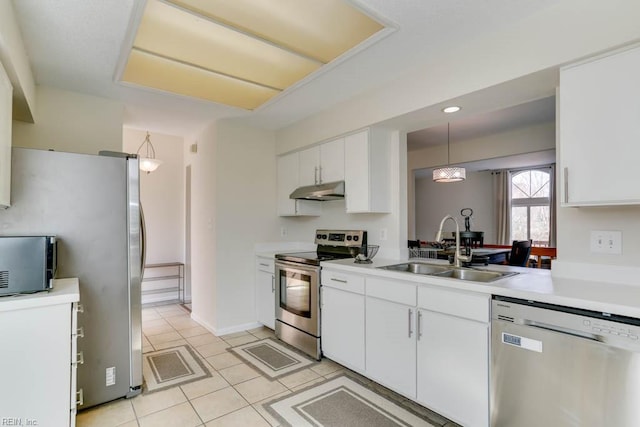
283 231
383 234
606 242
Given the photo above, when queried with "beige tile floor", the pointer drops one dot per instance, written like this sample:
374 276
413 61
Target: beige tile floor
232 396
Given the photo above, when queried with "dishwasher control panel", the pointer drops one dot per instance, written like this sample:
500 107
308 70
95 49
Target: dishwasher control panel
613 328
597 326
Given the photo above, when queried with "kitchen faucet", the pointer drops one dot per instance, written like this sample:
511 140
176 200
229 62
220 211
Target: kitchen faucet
457 258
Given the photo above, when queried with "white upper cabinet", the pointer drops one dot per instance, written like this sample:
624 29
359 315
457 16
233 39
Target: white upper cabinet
332 161
6 96
322 163
599 130
288 166
367 171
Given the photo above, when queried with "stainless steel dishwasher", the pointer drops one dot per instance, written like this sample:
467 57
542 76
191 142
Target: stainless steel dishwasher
558 366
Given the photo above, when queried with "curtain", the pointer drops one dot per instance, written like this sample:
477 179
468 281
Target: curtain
502 198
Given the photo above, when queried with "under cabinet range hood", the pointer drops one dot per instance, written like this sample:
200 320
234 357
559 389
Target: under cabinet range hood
320 192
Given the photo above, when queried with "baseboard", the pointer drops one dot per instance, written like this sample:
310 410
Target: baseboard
238 328
225 331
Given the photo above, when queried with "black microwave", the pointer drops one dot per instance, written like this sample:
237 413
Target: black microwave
27 264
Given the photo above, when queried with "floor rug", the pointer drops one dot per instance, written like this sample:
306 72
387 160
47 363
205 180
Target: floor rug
272 358
172 366
342 401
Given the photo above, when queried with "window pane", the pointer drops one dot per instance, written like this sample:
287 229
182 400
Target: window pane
520 185
519 223
539 184
540 216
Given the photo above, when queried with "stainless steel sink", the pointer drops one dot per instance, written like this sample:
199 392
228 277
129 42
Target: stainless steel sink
469 274
474 275
417 268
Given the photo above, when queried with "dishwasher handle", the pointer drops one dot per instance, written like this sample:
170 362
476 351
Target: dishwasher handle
563 330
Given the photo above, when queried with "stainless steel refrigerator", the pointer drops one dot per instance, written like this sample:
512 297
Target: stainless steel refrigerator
92 204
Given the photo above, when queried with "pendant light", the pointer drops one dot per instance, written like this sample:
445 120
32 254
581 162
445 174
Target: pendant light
449 173
148 162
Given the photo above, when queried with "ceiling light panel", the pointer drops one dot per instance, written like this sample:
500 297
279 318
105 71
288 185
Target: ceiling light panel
171 76
318 29
174 33
240 52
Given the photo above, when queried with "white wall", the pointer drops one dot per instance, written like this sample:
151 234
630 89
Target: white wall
203 247
162 196
71 122
435 200
233 207
526 139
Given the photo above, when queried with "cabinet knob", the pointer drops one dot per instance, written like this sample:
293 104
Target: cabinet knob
410 316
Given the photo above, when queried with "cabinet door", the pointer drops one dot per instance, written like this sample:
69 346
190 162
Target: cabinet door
265 298
599 130
309 172
287 178
6 100
343 327
332 161
287 182
453 367
391 345
356 172
36 365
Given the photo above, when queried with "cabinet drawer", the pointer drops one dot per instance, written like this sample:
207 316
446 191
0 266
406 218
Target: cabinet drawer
392 290
461 304
265 264
344 281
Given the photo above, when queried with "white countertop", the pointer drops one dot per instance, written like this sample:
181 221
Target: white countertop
531 283
65 291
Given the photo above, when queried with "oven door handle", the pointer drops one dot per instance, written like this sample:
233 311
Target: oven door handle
297 268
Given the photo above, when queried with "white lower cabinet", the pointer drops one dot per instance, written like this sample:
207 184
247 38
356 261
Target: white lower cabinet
453 368
38 358
391 345
343 327
428 343
453 354
265 292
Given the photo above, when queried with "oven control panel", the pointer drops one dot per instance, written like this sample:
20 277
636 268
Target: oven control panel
341 237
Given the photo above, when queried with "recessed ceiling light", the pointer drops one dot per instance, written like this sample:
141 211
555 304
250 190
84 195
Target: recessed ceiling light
451 109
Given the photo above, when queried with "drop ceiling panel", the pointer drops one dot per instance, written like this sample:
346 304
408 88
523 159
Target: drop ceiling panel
318 29
152 71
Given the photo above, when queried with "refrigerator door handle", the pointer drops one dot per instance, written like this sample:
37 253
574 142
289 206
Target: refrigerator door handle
143 243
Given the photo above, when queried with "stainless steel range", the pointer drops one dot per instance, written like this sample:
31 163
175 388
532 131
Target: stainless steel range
298 287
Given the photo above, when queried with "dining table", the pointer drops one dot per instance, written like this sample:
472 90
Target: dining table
480 255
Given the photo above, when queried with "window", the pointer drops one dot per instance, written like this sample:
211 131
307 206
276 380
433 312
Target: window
531 193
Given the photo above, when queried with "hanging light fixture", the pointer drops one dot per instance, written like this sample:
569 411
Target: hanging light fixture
449 173
148 162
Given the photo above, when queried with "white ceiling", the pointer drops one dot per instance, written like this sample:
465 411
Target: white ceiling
76 45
